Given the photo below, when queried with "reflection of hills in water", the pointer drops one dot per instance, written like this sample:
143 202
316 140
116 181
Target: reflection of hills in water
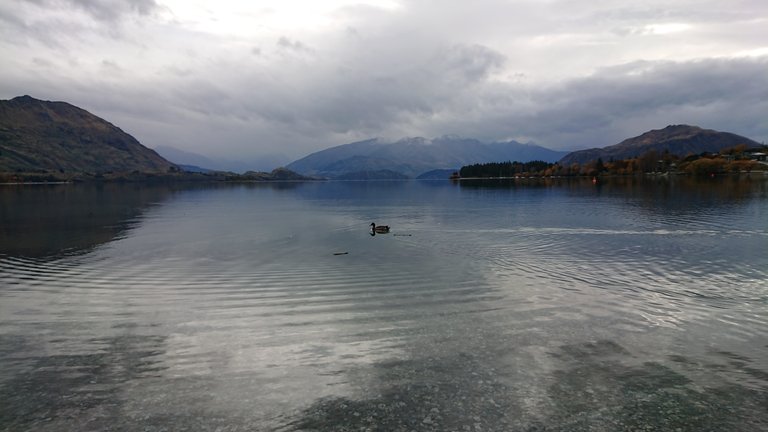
85 216
89 215
654 193
684 191
43 220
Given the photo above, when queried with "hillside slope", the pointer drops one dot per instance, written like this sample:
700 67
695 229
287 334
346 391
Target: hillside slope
679 140
38 135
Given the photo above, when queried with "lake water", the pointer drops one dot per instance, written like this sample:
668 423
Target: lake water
502 306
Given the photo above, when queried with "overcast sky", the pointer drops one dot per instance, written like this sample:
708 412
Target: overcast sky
248 78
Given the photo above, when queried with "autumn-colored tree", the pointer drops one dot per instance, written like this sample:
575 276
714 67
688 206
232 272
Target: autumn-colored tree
574 169
745 166
735 150
706 166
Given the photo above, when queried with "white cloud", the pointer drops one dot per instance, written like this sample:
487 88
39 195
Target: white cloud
756 52
666 28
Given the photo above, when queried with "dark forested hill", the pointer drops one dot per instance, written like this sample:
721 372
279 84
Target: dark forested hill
678 140
38 135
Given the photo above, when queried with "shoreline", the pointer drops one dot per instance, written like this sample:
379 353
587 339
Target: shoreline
618 176
229 180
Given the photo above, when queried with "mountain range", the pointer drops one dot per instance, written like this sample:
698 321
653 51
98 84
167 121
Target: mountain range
55 137
40 136
411 157
679 140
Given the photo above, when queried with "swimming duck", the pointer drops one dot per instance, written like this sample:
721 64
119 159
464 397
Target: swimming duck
381 229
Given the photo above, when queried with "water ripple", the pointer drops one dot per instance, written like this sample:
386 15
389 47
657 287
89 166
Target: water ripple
511 304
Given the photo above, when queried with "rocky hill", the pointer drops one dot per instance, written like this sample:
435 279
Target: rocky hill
679 140
414 156
44 136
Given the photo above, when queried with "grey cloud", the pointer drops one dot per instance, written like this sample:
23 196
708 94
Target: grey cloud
473 62
111 10
612 104
291 45
111 67
18 29
702 11
10 16
179 71
616 102
104 10
52 23
427 69
363 99
44 63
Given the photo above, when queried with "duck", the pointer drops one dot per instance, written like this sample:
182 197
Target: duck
381 229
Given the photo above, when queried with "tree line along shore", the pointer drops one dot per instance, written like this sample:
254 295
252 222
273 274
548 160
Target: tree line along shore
738 159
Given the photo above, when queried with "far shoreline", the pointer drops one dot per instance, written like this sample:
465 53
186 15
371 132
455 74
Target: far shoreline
236 179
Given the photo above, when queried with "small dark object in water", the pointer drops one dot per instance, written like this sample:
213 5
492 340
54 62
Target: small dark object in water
379 229
341 253
401 235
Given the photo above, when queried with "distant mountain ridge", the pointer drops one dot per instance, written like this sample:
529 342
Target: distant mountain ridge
38 135
42 136
412 157
679 140
185 158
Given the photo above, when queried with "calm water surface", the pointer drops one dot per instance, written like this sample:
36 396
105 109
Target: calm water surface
492 306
